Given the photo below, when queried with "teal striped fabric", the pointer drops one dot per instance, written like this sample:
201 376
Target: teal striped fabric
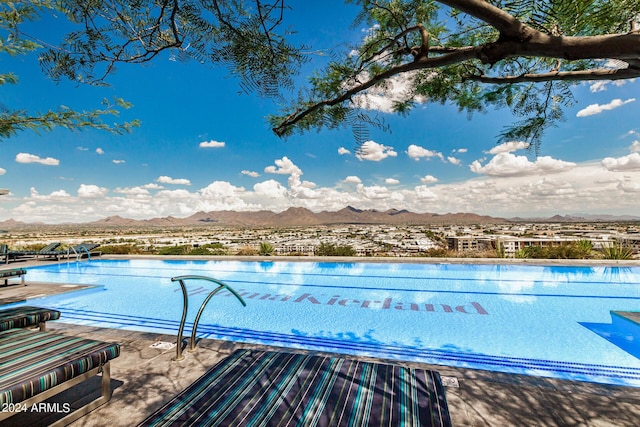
21 317
32 361
261 388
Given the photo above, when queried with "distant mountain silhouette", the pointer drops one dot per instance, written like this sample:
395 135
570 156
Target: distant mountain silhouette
305 217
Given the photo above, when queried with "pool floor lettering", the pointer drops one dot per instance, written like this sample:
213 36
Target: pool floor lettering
336 300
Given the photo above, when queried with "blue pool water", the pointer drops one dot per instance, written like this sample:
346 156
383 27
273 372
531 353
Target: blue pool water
547 321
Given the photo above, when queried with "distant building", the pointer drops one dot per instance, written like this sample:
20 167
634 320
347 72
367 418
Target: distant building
510 245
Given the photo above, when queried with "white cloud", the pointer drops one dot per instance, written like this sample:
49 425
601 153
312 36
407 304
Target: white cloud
630 162
384 97
416 152
635 147
132 191
372 151
343 150
507 164
601 85
118 162
391 181
460 150
99 150
212 144
453 160
509 147
422 192
176 181
428 179
628 186
283 166
352 180
54 196
374 192
270 189
90 191
83 148
221 190
597 108
586 187
2 171
153 186
32 158
252 174
302 189
598 86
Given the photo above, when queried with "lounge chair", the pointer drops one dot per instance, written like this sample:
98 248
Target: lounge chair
11 273
8 254
252 387
77 250
38 365
26 316
49 251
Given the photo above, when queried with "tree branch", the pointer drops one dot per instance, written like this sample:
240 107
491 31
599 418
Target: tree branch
422 63
582 75
505 23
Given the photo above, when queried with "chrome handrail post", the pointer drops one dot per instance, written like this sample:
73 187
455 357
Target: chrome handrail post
192 341
221 285
185 305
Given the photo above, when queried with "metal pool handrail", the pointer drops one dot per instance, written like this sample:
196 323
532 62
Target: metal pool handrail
78 252
185 305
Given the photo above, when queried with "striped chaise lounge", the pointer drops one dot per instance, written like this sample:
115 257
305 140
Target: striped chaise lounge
38 365
26 316
7 274
264 388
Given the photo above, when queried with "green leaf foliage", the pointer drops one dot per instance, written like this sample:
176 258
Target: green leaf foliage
245 37
523 55
13 120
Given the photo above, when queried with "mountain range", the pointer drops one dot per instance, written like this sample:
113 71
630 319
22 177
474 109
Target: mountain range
305 217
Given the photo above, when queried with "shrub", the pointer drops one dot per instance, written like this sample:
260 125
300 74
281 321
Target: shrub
617 251
330 249
174 250
437 253
247 251
584 248
120 249
531 252
200 251
266 249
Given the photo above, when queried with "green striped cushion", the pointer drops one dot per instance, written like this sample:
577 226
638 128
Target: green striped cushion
20 317
34 361
13 272
257 388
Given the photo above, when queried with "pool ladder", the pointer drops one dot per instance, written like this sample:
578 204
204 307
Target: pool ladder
185 305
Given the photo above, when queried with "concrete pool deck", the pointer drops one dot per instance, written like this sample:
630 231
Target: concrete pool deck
143 378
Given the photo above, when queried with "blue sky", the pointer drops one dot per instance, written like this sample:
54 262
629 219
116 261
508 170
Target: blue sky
204 146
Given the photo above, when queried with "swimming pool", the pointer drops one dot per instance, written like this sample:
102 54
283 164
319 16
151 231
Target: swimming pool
550 321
